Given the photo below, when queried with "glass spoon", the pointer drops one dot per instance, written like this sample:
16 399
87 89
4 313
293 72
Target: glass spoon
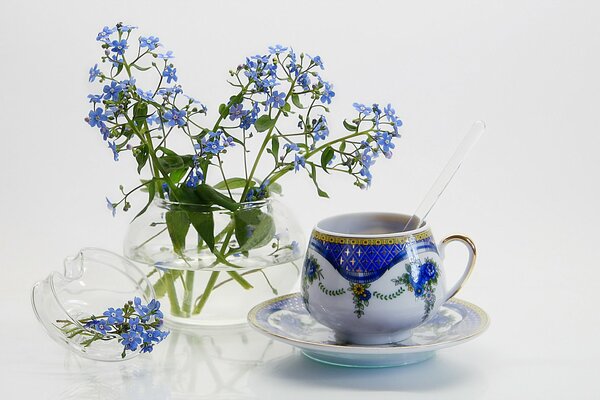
446 175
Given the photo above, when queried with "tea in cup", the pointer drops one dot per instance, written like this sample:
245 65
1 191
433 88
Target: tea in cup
371 282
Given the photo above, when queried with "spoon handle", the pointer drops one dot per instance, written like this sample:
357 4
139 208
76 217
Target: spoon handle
446 175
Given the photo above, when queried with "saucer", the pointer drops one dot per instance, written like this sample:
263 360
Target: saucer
286 319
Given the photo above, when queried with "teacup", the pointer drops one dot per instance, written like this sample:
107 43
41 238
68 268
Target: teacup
371 282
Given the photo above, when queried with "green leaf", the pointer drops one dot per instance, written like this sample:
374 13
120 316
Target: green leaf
151 192
253 228
275 147
296 100
140 112
233 183
178 225
204 224
350 127
313 176
141 156
223 110
326 156
287 107
236 99
275 188
140 68
264 123
171 163
178 174
209 196
342 147
166 151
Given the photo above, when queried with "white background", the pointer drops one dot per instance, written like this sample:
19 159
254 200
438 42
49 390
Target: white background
528 195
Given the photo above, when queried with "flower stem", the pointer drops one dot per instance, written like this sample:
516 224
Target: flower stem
188 293
172 294
207 291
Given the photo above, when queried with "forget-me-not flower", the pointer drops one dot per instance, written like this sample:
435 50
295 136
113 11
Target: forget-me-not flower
170 73
119 46
150 42
111 92
97 117
175 117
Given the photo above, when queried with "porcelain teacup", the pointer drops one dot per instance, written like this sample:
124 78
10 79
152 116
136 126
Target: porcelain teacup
371 282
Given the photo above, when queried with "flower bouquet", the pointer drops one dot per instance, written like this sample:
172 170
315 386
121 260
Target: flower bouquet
199 215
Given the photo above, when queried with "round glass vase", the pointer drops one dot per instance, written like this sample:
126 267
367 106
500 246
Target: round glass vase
210 266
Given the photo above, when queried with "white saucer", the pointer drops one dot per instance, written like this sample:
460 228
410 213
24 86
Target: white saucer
286 319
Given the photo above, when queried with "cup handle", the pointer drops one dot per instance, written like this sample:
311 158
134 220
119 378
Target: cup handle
470 264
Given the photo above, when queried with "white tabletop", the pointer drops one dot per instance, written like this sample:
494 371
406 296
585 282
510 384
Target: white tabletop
528 194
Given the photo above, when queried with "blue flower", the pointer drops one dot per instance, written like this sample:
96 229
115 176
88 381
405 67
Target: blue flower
299 161
175 117
151 335
384 140
194 178
418 289
147 348
236 111
317 60
113 146
363 109
327 94
312 268
131 340
126 28
170 73
250 118
228 141
141 309
304 81
153 119
154 308
148 95
110 205
366 158
291 147
101 326
134 325
277 49
119 46
321 131
150 42
213 146
95 98
94 73
215 134
105 132
427 272
111 92
97 117
104 34
128 82
166 56
293 65
115 316
390 113
277 100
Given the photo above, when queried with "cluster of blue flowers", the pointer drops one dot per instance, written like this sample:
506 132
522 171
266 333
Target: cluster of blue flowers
136 325
120 96
427 274
382 140
273 86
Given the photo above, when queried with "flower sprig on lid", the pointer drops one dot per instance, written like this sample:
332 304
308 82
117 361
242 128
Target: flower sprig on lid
135 326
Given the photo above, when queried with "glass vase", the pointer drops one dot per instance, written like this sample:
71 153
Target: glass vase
210 266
